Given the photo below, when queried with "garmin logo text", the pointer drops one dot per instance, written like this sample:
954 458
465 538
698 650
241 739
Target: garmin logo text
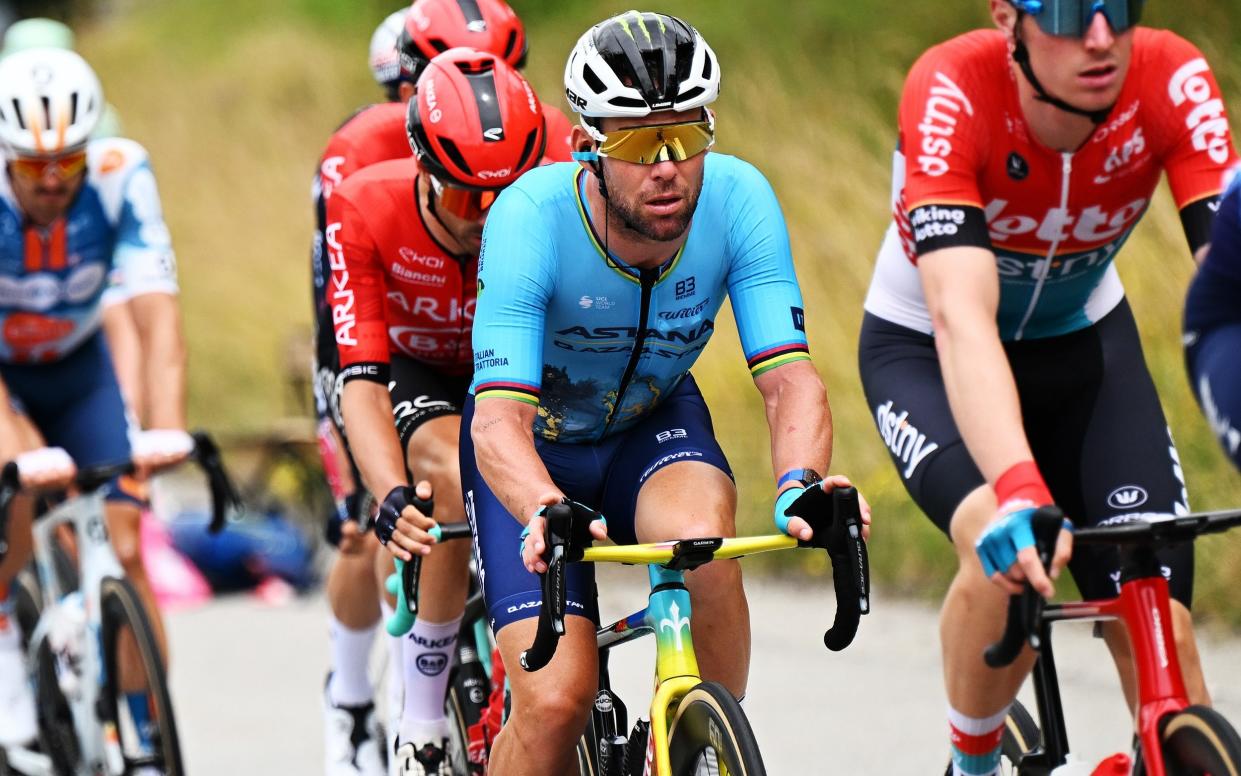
907 445
939 122
935 221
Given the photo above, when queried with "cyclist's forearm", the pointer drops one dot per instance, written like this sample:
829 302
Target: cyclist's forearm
982 394
367 410
798 416
158 319
505 455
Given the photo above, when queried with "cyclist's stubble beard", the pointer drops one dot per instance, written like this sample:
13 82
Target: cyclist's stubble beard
625 208
44 200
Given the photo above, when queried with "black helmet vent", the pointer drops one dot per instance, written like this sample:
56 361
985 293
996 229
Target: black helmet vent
593 80
455 154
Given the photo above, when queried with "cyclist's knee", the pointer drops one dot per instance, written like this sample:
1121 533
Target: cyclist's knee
968 520
559 709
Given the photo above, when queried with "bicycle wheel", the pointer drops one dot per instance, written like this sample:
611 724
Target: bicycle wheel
122 611
588 750
1021 736
1198 741
57 735
710 736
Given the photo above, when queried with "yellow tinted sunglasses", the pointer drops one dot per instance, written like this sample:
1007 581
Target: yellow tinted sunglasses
658 142
62 167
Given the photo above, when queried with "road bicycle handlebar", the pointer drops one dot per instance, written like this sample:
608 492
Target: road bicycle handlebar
1171 530
836 520
1025 610
404 583
206 454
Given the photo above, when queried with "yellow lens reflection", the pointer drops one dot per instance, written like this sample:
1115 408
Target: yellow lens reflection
659 142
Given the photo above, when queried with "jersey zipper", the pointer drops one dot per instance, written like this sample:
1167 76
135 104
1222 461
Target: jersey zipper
648 278
1067 170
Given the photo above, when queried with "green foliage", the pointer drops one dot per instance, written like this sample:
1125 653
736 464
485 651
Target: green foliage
236 99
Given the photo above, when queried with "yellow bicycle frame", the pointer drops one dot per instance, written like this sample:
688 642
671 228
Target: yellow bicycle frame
667 616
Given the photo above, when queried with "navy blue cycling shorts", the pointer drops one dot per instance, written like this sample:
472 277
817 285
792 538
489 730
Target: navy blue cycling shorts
606 476
76 404
1215 372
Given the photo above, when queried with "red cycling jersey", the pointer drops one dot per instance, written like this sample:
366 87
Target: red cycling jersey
970 172
375 134
394 288
372 136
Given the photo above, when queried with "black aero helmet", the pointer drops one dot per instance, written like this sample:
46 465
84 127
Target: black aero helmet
636 63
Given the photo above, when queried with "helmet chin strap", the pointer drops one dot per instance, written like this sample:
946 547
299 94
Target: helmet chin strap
1021 55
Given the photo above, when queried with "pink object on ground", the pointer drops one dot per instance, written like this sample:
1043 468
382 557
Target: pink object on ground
176 582
274 591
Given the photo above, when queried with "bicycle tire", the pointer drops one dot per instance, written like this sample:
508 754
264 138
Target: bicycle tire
58 737
121 608
1021 736
587 750
709 719
1199 741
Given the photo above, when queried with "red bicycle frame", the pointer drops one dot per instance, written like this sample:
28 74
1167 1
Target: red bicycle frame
1143 606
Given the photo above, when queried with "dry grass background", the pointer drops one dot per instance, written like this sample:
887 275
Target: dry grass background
236 99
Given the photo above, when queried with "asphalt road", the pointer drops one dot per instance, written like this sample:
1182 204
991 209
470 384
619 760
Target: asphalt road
248 676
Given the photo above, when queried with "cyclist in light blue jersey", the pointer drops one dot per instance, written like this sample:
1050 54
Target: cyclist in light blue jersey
599 284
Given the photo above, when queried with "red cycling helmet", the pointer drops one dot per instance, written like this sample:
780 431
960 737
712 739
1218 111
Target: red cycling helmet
475 122
434 26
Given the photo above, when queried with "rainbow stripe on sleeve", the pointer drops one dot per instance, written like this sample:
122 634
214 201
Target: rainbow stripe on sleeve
507 389
777 355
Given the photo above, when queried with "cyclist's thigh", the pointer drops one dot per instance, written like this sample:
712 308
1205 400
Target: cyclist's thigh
512 593
669 477
1215 373
1129 463
905 391
76 403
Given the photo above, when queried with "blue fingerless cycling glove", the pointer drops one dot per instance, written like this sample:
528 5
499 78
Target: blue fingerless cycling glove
1002 540
783 502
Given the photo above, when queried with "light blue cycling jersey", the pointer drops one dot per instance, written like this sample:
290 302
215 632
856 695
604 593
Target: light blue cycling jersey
596 344
113 239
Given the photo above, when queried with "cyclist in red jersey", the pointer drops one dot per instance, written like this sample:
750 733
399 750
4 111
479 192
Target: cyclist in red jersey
403 238
400 49
998 352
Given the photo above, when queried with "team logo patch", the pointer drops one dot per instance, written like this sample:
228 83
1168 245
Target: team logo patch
1017 167
1127 497
432 664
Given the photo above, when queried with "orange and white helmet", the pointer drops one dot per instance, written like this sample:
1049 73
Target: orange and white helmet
50 102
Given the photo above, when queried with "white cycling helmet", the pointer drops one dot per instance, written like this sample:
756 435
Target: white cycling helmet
636 63
385 60
50 102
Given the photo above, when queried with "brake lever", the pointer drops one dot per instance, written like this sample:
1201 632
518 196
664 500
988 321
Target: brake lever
224 495
403 583
836 521
10 486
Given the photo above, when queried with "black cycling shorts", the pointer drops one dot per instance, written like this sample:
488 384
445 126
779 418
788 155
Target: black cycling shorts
419 393
1091 415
